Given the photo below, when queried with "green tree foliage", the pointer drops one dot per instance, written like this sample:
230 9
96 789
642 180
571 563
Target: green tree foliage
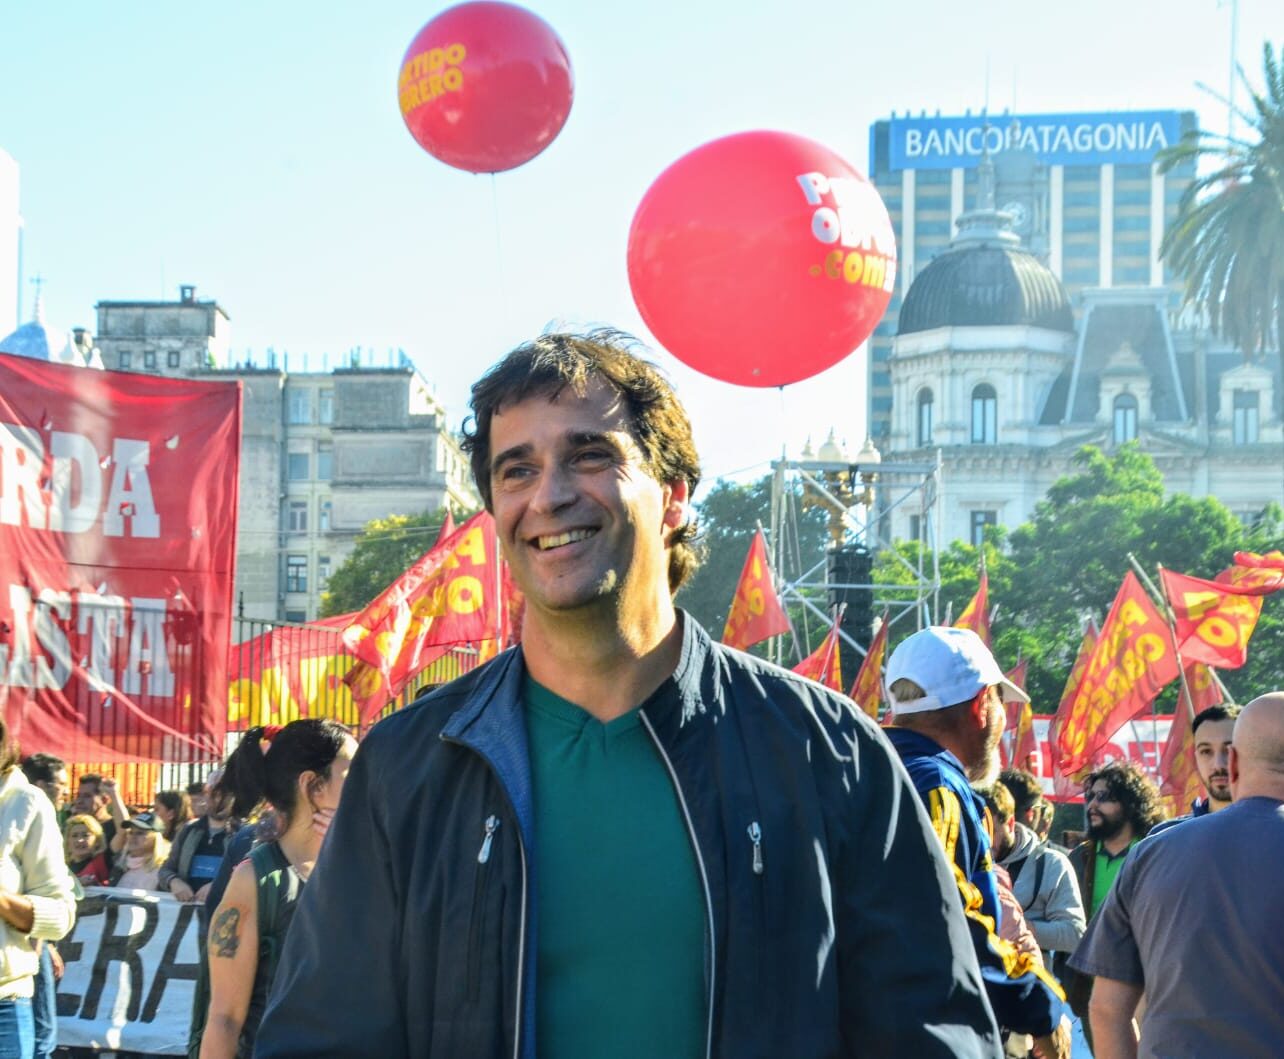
729 516
385 549
1228 238
1067 562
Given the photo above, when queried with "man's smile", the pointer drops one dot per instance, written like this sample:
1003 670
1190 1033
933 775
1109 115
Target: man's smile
548 542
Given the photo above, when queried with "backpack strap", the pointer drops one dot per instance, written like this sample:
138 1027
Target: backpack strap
276 885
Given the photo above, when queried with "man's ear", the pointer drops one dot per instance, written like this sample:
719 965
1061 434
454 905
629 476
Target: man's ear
675 511
979 712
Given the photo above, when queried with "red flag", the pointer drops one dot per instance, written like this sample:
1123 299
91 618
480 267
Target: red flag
1130 664
449 596
823 664
118 496
976 615
1181 784
1020 722
291 671
756 612
1214 619
446 529
867 691
1062 786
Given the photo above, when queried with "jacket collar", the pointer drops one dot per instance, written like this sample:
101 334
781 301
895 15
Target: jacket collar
909 743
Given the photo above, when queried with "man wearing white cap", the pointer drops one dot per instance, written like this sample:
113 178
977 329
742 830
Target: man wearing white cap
946 694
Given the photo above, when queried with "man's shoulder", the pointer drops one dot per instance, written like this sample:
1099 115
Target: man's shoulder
928 764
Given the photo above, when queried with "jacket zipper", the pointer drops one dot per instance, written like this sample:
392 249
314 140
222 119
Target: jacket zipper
521 926
755 836
704 877
476 921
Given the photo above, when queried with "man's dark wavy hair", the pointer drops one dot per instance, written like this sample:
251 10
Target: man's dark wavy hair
1135 792
555 362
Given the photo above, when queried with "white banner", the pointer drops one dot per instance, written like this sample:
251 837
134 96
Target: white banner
131 971
1141 740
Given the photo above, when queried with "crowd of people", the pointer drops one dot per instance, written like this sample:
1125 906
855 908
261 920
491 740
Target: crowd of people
625 839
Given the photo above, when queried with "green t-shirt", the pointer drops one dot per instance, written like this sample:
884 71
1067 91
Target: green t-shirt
1105 873
620 911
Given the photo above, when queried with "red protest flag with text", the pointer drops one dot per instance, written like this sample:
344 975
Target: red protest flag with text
1214 619
118 497
1130 664
446 529
1180 779
1020 723
823 664
1062 786
449 596
867 691
756 612
976 615
291 671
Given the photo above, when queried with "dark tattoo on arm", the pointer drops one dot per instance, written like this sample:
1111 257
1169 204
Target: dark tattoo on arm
225 937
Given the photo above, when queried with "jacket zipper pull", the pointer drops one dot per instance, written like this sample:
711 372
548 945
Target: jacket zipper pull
755 836
492 825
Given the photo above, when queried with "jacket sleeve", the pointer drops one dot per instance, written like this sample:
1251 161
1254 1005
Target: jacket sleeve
1058 923
46 882
1024 996
907 974
338 991
169 870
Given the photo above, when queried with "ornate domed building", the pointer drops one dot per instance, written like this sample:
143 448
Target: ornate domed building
36 340
991 368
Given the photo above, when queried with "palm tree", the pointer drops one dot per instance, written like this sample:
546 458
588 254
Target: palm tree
1228 237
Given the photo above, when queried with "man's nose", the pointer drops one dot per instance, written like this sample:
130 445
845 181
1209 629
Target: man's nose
554 490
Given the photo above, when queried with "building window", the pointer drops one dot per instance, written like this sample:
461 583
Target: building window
126 359
324 516
172 358
1245 417
985 415
325 399
149 360
981 519
325 463
299 406
323 570
296 573
298 617
925 401
296 466
297 516
918 529
1125 419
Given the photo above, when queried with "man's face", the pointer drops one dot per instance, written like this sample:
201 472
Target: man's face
1103 812
983 764
88 799
199 804
58 787
1212 754
580 519
218 806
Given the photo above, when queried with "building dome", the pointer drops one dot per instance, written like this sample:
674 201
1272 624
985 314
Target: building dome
985 282
36 340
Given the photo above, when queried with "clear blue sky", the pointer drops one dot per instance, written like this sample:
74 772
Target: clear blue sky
256 150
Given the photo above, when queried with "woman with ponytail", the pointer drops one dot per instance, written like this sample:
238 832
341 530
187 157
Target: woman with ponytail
299 771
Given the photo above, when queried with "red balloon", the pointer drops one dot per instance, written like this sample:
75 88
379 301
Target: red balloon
485 86
761 258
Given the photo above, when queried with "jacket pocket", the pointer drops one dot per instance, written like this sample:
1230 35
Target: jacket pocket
477 919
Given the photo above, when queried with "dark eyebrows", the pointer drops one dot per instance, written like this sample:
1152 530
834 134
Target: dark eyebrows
516 452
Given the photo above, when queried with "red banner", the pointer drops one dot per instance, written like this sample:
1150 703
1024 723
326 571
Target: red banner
449 596
1018 747
291 671
756 612
867 691
1131 663
1214 619
824 665
1181 784
118 496
976 615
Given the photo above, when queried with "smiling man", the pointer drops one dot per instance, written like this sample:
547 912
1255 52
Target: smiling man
621 838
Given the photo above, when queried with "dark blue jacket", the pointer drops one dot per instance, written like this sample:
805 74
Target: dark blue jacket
849 940
1025 997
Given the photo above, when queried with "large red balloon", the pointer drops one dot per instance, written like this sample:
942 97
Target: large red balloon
761 258
485 86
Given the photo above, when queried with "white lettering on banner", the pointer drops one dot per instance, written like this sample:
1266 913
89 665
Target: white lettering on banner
1141 740
73 501
132 960
104 618
1086 138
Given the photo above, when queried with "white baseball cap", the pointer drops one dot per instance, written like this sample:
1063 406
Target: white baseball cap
950 665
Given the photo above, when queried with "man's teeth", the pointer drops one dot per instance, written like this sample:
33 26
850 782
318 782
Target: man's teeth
545 543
